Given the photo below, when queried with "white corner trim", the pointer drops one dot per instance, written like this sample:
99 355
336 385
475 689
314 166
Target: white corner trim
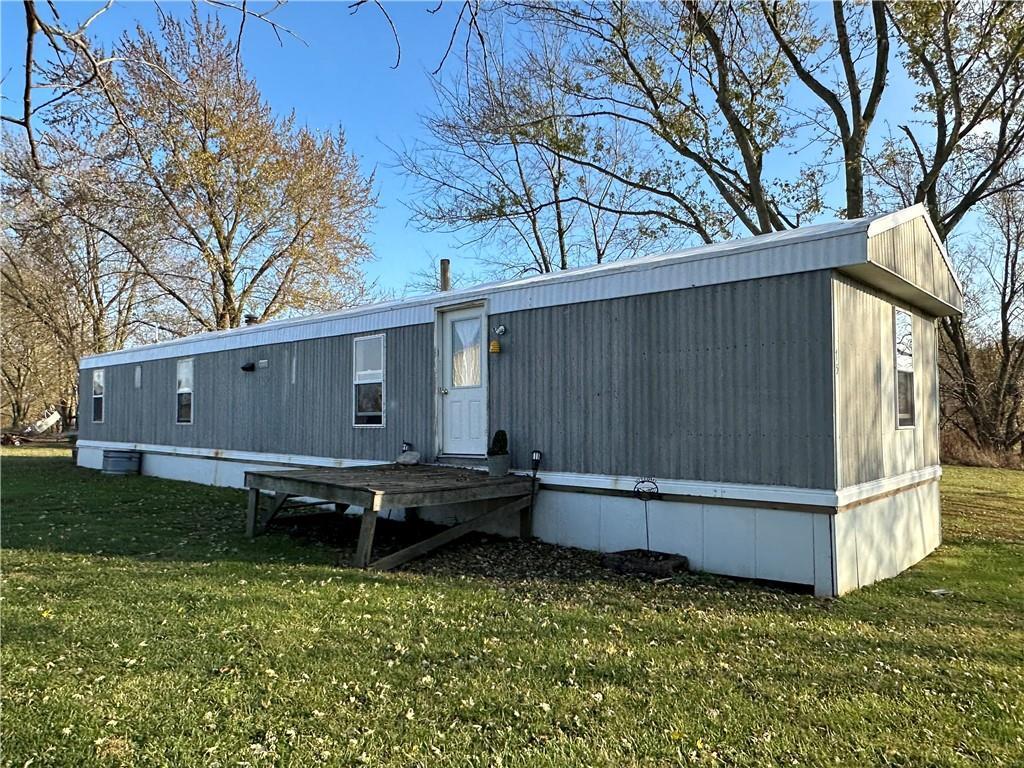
781 494
888 221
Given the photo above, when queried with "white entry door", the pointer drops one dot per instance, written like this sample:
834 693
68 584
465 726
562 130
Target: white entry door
463 389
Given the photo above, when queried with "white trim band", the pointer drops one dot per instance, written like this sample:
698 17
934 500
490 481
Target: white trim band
855 493
778 494
254 457
747 492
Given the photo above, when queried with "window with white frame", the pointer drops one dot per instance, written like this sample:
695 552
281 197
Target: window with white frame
183 406
903 352
368 381
97 396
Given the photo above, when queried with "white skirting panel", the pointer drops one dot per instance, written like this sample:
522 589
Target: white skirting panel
883 538
90 458
748 542
832 553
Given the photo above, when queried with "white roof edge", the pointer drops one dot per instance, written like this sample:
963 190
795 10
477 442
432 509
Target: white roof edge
702 265
888 221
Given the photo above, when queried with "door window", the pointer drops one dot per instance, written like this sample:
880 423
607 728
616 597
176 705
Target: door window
466 352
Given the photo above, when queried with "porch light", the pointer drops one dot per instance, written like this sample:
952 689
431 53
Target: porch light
535 458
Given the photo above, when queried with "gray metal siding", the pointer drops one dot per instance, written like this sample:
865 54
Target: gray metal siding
870 445
909 250
263 411
726 383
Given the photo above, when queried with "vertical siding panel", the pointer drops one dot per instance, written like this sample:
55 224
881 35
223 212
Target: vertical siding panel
573 330
702 363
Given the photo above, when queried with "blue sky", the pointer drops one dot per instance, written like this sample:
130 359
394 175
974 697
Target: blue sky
341 74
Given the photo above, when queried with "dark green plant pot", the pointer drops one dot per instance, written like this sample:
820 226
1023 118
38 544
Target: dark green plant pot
498 466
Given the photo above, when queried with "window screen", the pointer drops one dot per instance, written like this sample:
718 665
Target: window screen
97 396
368 381
903 350
183 411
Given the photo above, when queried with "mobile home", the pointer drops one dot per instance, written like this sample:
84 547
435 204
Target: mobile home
767 407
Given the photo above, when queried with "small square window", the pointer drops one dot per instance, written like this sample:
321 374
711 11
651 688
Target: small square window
369 404
184 415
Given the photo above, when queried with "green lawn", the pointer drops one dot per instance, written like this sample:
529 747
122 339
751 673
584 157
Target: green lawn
140 627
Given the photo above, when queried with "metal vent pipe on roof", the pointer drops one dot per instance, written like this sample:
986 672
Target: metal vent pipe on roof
446 274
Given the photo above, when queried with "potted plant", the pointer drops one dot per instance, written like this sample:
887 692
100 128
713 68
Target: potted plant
498 459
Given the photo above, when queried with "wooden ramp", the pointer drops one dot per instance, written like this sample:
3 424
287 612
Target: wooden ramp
388 486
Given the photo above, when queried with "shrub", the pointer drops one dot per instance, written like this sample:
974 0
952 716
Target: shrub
957 449
499 444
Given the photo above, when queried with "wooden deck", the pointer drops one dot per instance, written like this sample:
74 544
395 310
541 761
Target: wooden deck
389 486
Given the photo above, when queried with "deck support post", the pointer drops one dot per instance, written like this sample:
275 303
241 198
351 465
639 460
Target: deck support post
279 499
364 548
252 512
254 522
526 520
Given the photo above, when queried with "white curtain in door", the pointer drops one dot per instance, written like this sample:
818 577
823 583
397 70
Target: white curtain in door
466 353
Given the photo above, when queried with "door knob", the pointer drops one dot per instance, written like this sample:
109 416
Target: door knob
444 391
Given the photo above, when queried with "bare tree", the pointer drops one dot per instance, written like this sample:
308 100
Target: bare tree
851 100
983 364
489 173
61 60
963 155
34 375
81 284
261 215
702 87
968 61
24 362
67 290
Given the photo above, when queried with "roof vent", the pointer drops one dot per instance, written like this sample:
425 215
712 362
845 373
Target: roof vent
251 319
